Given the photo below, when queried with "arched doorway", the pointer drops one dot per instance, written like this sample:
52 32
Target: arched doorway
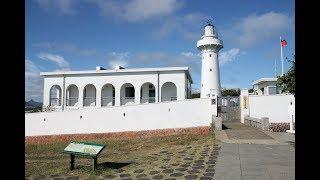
72 95
147 92
107 95
168 92
127 94
55 95
89 95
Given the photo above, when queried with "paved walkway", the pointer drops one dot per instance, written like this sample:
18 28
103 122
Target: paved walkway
248 153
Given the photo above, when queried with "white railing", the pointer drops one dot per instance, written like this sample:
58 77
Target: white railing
107 101
55 102
89 101
125 100
171 98
147 100
71 101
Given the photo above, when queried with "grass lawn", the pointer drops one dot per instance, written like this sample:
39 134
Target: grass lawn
144 157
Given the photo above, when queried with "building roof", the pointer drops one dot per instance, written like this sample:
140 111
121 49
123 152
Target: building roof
262 80
109 71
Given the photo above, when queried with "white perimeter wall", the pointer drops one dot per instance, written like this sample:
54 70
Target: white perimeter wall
174 114
275 107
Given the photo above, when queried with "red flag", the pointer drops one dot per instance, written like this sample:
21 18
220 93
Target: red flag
283 42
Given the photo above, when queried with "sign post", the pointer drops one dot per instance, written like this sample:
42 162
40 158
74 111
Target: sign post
84 149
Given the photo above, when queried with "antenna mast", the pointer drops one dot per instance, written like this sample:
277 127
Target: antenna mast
275 67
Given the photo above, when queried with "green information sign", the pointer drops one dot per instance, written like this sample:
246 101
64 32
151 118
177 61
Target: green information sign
84 148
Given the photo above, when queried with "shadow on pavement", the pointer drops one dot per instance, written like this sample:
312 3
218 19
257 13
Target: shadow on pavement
224 127
112 165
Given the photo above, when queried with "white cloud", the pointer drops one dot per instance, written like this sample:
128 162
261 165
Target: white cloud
62 69
116 63
31 70
118 59
228 56
255 29
63 6
187 54
137 10
59 60
33 82
65 47
186 26
88 52
148 58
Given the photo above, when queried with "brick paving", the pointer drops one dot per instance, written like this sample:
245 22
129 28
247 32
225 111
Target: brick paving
186 163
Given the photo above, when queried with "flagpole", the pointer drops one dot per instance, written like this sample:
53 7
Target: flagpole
275 67
281 57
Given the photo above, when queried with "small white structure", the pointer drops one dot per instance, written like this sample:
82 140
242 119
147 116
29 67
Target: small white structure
279 108
266 86
116 87
210 45
291 113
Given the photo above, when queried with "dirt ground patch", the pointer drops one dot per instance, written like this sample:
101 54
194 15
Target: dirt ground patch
170 156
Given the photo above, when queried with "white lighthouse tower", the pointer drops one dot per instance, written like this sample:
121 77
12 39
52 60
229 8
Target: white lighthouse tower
210 45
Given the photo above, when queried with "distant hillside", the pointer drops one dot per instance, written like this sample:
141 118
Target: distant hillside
32 104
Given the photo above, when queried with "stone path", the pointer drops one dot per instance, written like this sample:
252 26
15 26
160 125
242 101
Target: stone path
186 163
237 132
248 153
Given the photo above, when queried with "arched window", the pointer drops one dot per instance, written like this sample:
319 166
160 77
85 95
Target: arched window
127 94
107 95
89 95
72 95
168 92
147 92
55 95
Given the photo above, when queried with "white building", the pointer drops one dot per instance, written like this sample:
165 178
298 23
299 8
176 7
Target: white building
120 86
266 86
115 87
118 100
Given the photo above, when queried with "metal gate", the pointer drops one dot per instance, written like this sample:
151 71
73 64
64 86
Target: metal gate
229 108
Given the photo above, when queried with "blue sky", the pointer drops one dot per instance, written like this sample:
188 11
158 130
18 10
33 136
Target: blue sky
82 34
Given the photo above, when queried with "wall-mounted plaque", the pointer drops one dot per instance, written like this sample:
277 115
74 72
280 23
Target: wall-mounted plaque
213 101
245 102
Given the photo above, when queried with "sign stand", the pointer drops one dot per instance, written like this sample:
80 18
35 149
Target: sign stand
84 149
94 167
71 162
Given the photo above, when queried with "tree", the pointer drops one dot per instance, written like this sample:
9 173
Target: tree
287 81
230 92
250 90
195 95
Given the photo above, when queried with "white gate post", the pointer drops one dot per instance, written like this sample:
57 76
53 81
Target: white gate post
213 113
291 113
244 103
